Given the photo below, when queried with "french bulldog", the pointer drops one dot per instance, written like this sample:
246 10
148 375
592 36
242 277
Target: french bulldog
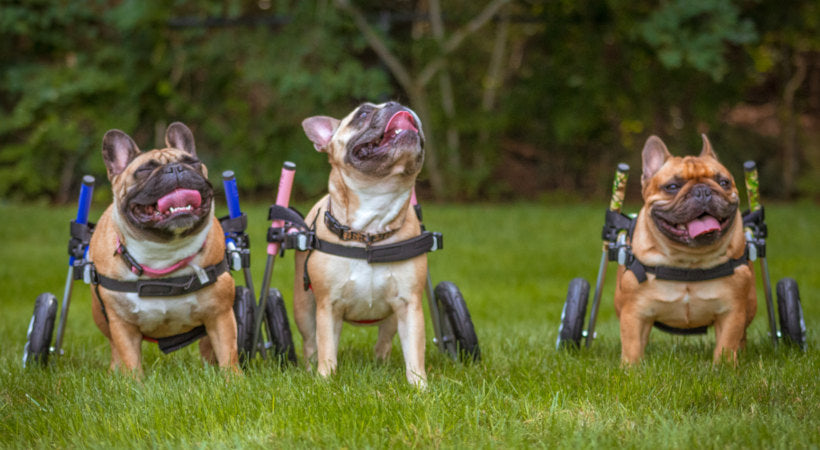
690 220
375 154
160 228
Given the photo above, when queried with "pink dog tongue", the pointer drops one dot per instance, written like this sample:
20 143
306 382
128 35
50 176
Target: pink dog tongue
179 198
402 120
703 225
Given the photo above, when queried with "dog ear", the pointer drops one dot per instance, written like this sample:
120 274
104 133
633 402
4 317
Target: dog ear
319 129
707 148
118 151
654 155
180 137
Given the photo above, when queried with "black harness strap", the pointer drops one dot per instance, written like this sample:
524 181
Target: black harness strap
410 248
400 251
174 343
163 287
678 274
616 221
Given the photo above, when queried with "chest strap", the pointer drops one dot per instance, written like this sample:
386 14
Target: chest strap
164 287
399 251
678 274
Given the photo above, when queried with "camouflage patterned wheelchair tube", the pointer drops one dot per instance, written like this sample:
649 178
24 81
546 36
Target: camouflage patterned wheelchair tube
752 185
757 243
616 202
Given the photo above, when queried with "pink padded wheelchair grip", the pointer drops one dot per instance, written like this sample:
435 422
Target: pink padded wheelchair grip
282 198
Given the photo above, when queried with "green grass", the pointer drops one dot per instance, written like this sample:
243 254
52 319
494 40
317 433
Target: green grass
513 264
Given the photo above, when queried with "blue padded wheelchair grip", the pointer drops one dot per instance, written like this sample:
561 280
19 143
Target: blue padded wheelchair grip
86 192
231 193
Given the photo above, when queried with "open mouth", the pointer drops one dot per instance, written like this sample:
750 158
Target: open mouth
400 125
702 228
178 203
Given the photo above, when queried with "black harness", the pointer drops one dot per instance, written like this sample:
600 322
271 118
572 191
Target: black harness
616 222
298 235
161 287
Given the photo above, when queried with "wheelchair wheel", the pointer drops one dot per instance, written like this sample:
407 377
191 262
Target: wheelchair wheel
458 327
792 325
276 319
243 307
571 329
40 330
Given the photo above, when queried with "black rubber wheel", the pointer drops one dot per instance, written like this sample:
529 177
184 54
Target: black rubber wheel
571 329
243 307
458 327
40 330
792 325
276 320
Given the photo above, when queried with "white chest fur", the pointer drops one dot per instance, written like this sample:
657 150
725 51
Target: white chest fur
158 316
360 291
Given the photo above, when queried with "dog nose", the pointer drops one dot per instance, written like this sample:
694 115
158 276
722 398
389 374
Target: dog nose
175 167
702 192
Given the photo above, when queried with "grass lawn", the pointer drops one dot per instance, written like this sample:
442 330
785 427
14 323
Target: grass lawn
513 264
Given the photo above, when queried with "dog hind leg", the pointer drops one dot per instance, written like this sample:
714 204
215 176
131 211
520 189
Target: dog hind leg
384 344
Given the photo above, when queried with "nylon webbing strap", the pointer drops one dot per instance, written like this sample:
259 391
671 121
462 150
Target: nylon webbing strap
165 287
399 251
678 274
174 343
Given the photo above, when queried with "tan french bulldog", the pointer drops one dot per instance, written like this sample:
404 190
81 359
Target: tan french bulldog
160 238
375 154
690 220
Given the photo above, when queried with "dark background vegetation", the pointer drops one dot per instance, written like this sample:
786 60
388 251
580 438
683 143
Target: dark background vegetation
519 99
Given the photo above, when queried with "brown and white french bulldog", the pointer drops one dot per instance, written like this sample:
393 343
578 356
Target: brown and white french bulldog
375 154
160 224
690 220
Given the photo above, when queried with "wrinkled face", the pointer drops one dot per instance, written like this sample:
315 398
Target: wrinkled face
374 140
692 200
160 194
168 193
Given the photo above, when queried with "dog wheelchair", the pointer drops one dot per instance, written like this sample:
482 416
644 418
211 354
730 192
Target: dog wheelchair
278 344
616 235
452 324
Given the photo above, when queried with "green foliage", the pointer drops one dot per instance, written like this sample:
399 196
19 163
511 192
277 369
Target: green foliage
583 85
694 33
78 69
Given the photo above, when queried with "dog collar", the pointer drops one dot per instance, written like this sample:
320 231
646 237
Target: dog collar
140 269
346 234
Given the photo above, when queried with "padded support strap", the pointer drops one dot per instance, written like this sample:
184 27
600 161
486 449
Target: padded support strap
678 274
164 287
400 251
174 343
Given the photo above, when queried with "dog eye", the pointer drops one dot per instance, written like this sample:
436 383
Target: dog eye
362 114
671 188
724 183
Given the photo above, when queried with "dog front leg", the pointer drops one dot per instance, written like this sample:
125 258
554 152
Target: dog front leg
126 346
410 318
730 335
221 331
328 331
634 336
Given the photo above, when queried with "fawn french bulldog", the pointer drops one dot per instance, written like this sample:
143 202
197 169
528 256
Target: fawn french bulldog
159 252
688 239
375 154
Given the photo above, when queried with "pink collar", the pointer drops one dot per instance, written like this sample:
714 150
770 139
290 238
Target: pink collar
140 269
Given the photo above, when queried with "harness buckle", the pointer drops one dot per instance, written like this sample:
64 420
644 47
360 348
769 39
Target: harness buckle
153 288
